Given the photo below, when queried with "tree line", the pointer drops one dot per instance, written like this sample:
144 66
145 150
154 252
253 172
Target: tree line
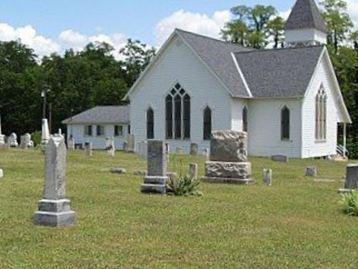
76 81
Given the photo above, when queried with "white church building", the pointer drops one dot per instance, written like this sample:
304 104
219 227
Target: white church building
288 100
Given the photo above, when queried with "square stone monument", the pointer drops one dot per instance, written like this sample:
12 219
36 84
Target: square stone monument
351 178
110 146
228 159
156 178
54 208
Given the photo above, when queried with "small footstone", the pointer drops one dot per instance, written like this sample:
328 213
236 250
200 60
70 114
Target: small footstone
311 171
118 171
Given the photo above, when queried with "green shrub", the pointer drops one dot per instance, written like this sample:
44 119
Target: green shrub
36 137
183 185
350 202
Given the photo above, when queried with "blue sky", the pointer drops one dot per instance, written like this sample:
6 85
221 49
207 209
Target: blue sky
58 24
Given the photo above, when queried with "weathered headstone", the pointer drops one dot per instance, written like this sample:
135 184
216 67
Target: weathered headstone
193 171
228 158
2 137
351 178
54 208
25 141
280 158
179 150
130 143
12 140
88 148
206 154
143 149
71 143
45 133
311 171
110 147
1 173
267 174
194 148
155 181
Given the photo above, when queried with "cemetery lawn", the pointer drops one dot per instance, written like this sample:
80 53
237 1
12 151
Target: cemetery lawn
296 223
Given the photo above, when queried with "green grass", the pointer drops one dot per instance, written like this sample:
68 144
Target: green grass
296 223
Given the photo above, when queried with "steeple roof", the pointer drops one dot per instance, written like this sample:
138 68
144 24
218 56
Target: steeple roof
305 15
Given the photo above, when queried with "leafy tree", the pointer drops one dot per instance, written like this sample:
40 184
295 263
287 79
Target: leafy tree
338 21
254 26
137 56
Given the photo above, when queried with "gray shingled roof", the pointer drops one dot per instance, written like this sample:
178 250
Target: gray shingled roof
305 14
279 73
217 55
101 114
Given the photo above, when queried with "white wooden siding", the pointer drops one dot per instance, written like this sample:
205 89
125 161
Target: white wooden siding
98 142
179 64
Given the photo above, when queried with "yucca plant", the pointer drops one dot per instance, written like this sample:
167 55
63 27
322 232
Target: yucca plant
350 202
184 186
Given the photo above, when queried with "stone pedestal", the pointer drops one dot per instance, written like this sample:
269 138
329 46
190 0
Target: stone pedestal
54 213
156 178
351 178
228 159
54 209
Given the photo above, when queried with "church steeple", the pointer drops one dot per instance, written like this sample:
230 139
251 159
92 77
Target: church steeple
305 25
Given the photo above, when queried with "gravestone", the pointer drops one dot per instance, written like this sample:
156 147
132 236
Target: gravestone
280 158
2 137
118 170
351 178
45 133
88 148
130 143
206 154
54 209
12 140
71 143
143 149
267 174
228 158
25 141
193 171
110 147
194 148
179 150
1 173
156 178
311 171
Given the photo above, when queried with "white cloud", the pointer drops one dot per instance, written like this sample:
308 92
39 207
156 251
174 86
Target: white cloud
66 39
353 11
29 36
195 22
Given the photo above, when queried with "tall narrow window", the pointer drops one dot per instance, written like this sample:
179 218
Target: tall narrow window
285 123
150 123
321 115
186 117
245 125
207 124
177 113
100 130
88 130
169 116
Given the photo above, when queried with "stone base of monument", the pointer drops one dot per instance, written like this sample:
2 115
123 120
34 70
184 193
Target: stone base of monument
154 184
54 213
228 172
343 191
